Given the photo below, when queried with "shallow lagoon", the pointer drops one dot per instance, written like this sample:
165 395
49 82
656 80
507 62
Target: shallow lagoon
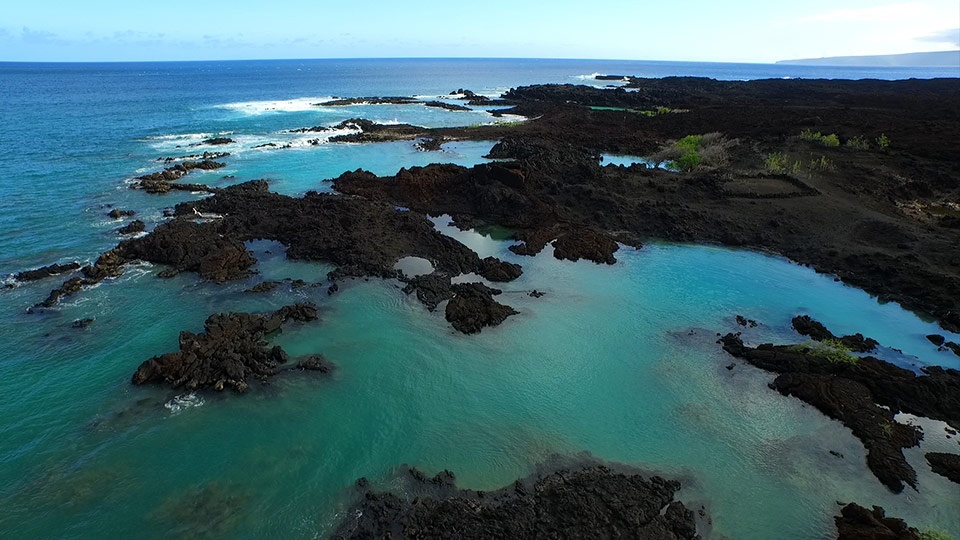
617 361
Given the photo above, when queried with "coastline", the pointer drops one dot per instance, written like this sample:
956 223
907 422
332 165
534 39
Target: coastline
542 192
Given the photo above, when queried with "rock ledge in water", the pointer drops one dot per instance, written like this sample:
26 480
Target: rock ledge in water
229 352
591 502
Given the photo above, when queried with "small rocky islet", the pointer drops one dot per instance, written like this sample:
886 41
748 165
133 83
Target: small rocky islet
875 214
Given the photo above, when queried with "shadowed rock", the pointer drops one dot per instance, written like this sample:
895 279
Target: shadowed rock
858 523
947 465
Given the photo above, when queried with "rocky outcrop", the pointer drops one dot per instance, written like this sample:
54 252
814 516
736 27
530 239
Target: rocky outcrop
229 353
431 289
447 106
377 100
858 523
371 131
117 213
587 244
262 287
217 141
864 395
135 226
473 307
162 182
494 269
46 271
806 326
590 502
193 247
947 465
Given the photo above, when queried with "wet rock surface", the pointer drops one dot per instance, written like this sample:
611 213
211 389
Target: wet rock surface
164 181
371 131
46 271
472 308
858 523
590 502
118 213
229 353
864 395
815 330
194 247
947 465
135 226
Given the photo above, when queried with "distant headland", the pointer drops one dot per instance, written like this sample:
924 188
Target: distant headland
921 59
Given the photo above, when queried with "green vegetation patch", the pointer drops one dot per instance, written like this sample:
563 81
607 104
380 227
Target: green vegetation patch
830 141
831 350
934 534
709 150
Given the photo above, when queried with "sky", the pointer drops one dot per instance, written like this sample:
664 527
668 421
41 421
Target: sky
675 30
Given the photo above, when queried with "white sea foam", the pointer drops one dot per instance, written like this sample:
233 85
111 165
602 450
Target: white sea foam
254 108
183 402
588 77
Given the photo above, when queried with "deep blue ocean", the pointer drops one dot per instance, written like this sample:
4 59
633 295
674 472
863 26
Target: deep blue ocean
616 361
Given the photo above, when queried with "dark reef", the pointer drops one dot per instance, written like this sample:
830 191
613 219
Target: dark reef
858 523
589 502
230 352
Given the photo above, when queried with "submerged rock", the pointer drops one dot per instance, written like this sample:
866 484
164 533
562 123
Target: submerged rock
590 502
229 352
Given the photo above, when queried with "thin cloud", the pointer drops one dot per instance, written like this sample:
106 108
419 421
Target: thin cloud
890 12
949 37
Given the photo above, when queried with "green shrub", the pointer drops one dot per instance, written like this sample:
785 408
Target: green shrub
776 163
695 151
858 143
690 142
830 141
821 164
831 350
687 162
934 534
883 141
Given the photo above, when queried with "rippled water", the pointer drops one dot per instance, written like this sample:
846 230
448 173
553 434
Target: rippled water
619 361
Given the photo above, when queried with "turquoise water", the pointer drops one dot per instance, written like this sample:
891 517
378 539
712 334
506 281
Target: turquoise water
619 361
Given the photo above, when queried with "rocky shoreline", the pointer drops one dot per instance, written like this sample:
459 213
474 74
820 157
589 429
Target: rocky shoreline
879 216
864 393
